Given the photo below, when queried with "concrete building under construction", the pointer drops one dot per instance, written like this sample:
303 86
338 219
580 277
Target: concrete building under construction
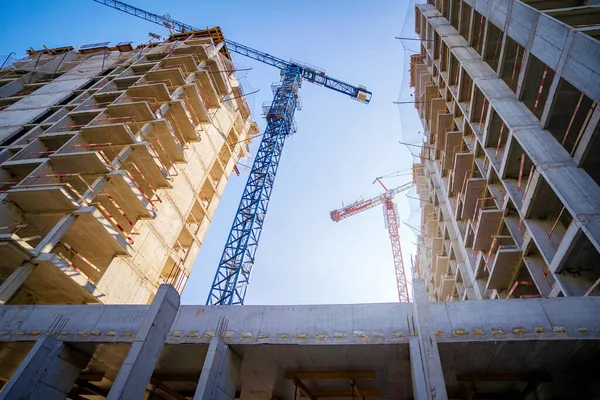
113 162
163 127
508 177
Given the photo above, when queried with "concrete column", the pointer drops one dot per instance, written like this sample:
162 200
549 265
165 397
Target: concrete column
220 373
416 371
137 369
48 372
430 356
10 286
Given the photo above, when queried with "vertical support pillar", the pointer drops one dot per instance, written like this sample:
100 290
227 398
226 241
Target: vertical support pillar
220 373
430 356
136 371
48 371
416 371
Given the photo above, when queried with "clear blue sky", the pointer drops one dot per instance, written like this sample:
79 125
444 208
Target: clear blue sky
340 146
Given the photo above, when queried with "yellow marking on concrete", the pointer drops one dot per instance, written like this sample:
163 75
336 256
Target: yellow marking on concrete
478 331
95 333
378 335
176 334
209 334
539 329
302 336
247 335
582 330
263 336
194 334
559 329
497 332
228 335
283 335
439 332
358 334
62 333
339 335
459 332
398 334
518 330
34 333
111 333
129 334
321 336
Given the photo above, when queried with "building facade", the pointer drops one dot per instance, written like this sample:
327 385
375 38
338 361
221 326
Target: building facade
508 174
113 162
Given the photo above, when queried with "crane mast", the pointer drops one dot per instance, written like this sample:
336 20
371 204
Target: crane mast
391 221
235 267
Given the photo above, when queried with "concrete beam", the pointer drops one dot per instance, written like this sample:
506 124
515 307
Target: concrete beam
313 325
136 371
48 372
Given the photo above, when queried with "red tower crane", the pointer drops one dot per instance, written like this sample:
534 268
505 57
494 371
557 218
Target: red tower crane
390 212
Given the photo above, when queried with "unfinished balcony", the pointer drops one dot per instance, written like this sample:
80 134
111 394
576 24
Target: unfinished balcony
486 221
182 120
172 77
238 94
569 116
56 280
70 250
547 218
579 269
194 104
450 143
440 266
198 220
539 270
121 197
106 129
133 114
196 48
79 156
518 173
463 165
536 85
474 189
521 286
142 66
207 90
142 164
446 288
13 173
166 145
185 63
502 262
73 122
155 94
45 145
15 246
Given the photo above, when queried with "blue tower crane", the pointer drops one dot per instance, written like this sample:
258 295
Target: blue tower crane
234 270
